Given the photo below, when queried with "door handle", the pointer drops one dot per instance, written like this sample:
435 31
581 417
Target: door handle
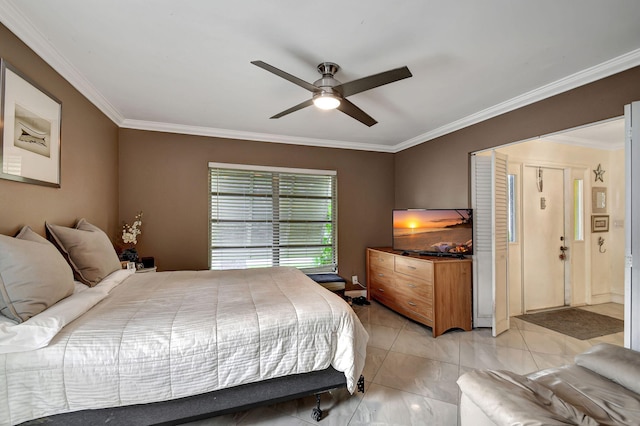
563 255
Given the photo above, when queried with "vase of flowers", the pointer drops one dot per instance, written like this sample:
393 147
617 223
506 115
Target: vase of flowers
130 239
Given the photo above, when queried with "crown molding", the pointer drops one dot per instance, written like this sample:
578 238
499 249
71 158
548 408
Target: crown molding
15 21
589 75
251 136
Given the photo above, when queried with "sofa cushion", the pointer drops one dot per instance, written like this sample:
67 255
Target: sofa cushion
508 398
616 363
603 400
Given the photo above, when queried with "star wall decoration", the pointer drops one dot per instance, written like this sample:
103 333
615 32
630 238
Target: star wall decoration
599 173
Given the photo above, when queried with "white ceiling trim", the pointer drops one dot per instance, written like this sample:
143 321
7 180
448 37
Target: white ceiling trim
259 137
589 75
20 25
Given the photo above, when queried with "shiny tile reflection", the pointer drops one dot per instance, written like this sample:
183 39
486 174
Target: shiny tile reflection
385 406
410 377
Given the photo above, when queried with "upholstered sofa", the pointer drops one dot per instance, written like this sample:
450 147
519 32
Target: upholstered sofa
602 387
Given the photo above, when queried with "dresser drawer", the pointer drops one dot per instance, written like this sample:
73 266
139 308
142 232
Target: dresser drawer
416 304
380 259
414 286
414 267
382 292
383 276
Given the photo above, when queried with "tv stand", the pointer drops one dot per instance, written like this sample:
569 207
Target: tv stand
434 291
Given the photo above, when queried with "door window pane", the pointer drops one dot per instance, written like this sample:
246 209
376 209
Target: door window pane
511 182
578 210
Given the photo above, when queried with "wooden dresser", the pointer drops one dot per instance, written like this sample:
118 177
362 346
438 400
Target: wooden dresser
433 291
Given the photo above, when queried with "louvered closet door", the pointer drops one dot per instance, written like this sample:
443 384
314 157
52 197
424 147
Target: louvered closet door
489 201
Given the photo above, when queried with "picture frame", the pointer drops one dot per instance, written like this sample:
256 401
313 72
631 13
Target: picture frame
600 223
30 130
598 199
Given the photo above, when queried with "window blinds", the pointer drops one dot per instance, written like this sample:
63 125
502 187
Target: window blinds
264 217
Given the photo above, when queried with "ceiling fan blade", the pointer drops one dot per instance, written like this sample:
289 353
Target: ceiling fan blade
350 109
295 80
294 108
376 80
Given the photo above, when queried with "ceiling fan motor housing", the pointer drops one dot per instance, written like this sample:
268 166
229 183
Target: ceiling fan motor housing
327 82
328 68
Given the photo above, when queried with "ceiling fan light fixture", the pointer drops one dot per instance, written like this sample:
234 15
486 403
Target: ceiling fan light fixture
326 100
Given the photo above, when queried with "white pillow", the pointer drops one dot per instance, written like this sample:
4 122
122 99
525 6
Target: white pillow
38 331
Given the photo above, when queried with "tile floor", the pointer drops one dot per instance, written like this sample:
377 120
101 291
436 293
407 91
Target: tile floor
410 377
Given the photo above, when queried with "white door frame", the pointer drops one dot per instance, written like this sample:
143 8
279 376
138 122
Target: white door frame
579 266
632 227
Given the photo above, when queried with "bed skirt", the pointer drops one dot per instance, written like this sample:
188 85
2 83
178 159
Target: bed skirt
198 407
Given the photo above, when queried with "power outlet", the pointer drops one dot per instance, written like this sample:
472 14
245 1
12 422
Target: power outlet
354 279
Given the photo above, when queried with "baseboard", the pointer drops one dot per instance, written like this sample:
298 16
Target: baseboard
617 298
355 293
601 298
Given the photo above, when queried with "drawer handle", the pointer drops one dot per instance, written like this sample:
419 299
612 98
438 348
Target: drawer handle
381 275
412 304
381 290
411 267
411 285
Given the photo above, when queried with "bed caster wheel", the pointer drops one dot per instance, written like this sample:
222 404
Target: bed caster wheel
316 414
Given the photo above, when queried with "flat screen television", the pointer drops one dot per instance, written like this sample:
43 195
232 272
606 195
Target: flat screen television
433 232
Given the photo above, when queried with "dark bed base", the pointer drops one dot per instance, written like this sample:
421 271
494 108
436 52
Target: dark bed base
198 407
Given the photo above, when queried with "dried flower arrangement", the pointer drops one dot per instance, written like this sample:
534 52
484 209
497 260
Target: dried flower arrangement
130 232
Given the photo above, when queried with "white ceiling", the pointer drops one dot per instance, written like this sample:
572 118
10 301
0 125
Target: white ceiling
184 66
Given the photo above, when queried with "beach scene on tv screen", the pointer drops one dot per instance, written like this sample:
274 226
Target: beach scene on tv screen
441 231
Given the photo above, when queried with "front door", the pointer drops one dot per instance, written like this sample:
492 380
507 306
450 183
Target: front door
544 251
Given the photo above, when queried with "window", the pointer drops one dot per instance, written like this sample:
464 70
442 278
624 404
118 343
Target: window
272 217
578 210
511 182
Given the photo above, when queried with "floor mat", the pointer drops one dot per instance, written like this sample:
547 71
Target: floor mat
577 323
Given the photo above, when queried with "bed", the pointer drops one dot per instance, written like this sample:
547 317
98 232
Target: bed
199 342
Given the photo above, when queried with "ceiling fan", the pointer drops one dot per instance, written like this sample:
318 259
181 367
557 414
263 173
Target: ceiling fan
329 93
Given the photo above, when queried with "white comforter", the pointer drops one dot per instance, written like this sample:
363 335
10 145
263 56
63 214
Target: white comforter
159 336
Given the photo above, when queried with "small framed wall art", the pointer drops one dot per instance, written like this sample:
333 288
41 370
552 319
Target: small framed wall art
600 223
598 199
30 136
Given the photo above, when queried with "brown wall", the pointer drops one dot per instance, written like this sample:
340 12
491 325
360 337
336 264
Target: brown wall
166 176
89 174
435 174
108 174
